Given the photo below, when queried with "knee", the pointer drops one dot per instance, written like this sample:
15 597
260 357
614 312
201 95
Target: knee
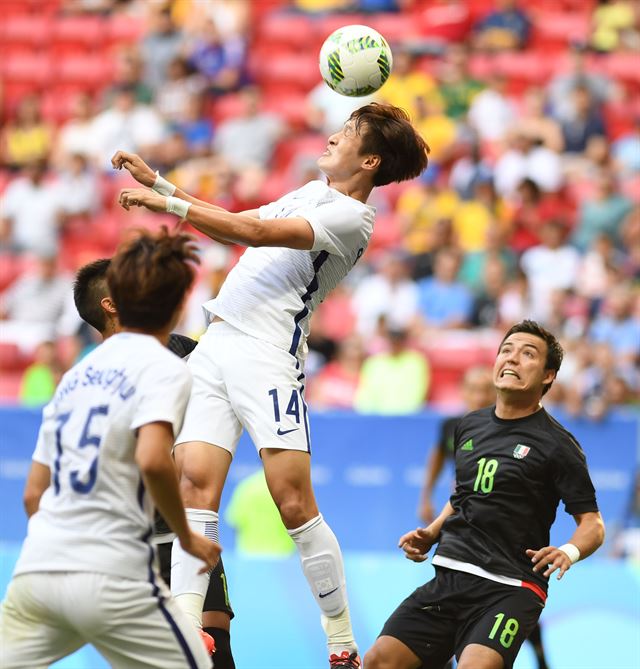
293 511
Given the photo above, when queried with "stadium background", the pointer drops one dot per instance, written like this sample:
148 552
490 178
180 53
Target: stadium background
238 118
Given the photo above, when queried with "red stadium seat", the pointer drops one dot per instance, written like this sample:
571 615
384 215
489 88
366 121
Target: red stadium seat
227 106
84 31
450 23
329 23
530 67
293 31
58 103
395 27
28 29
34 68
11 358
92 72
292 108
624 66
299 70
11 267
10 386
121 28
557 29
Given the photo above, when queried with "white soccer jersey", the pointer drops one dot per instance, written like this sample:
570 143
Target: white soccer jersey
96 515
272 292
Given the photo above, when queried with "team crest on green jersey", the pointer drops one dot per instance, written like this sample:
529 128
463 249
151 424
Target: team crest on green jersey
520 451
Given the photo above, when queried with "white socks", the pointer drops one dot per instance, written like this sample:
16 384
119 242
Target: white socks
324 570
187 586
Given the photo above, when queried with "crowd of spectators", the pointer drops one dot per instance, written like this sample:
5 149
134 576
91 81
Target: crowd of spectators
530 206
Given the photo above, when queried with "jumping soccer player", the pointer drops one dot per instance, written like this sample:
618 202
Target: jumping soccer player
96 307
249 366
86 572
514 463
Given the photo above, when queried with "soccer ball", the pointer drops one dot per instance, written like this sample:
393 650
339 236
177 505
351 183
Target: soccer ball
355 60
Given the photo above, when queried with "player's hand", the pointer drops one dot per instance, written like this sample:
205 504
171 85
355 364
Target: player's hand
549 558
202 548
141 197
138 169
417 544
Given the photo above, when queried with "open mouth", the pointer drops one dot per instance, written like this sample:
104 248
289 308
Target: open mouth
509 372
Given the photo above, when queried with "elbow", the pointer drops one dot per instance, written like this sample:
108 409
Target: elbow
255 233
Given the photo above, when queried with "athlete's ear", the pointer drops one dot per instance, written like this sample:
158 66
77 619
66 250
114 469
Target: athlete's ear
108 305
549 376
372 162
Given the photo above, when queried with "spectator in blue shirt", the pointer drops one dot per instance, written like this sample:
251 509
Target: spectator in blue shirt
618 327
445 302
507 27
586 124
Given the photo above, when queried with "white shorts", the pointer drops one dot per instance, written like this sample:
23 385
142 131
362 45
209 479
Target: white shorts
243 382
132 624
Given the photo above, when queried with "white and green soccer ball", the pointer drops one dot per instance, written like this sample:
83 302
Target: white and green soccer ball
355 60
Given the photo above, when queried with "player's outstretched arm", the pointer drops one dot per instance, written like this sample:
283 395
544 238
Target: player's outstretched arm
144 175
222 225
587 538
153 456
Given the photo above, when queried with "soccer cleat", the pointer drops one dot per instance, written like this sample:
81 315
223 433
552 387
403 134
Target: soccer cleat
210 644
345 660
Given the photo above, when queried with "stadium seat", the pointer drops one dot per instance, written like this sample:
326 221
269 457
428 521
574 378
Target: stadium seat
624 66
295 69
22 67
528 67
73 31
450 23
227 106
556 29
92 72
10 386
310 144
293 31
11 358
292 108
122 28
395 27
10 268
328 23
29 29
58 103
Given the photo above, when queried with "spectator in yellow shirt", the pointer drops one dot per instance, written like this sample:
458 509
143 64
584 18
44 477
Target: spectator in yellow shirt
407 85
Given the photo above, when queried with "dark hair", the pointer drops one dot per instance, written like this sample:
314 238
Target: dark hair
149 276
387 131
89 288
554 350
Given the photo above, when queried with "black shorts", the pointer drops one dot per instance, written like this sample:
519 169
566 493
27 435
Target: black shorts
217 597
455 609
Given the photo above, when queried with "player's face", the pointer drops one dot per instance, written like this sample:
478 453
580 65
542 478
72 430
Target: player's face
520 365
342 158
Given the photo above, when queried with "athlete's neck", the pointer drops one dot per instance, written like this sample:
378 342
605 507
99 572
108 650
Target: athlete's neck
357 191
510 406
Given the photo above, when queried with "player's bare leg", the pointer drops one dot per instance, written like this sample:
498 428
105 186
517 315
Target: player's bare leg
390 653
288 475
203 469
